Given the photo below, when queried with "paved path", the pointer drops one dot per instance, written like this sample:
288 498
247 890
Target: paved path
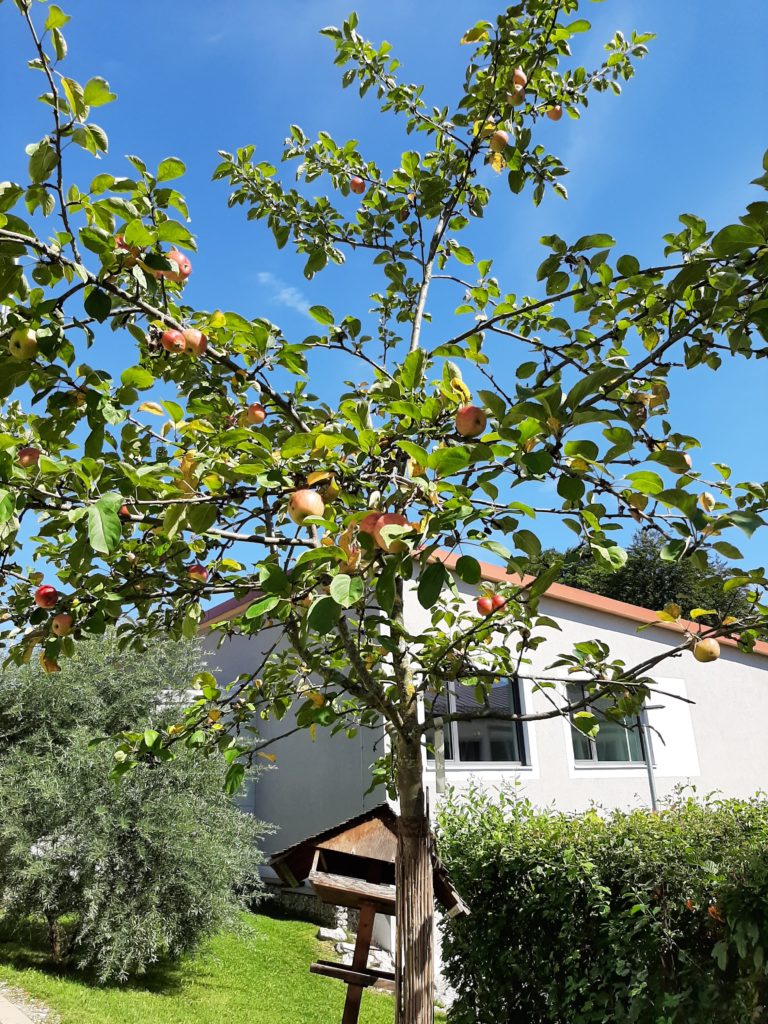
10 1014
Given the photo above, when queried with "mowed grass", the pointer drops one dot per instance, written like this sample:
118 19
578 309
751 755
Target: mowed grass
257 974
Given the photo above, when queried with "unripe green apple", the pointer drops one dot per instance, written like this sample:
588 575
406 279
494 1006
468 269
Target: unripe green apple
23 343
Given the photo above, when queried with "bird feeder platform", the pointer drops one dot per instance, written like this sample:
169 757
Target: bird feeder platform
352 865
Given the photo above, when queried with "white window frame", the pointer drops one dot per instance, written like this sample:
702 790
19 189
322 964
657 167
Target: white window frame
524 739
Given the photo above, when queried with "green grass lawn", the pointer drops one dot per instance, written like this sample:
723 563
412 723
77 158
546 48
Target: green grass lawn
256 975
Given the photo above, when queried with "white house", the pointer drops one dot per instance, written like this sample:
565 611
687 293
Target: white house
713 740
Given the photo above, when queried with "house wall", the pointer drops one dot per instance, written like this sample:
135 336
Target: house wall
716 744
312 785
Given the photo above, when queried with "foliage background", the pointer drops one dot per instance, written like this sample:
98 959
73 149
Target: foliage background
128 872
589 919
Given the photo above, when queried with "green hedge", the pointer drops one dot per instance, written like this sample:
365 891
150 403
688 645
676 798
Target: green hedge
617 917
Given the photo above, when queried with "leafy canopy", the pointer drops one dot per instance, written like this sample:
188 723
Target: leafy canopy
147 471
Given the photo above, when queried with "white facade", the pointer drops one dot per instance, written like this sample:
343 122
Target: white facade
716 743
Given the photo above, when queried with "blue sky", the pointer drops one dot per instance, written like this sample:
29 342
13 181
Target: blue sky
687 136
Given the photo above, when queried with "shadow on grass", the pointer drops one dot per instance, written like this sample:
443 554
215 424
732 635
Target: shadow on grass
24 946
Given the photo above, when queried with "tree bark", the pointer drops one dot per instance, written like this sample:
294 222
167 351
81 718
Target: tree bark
54 937
415 913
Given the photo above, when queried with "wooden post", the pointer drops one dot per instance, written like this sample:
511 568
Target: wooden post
359 962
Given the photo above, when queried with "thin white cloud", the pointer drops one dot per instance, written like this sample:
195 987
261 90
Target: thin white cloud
282 293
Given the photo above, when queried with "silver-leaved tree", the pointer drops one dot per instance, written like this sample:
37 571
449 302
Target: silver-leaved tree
205 466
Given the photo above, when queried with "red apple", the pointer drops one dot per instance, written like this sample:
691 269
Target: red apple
519 77
62 624
555 113
498 602
368 523
183 264
124 510
485 605
23 343
357 185
173 341
499 141
133 251
396 546
28 456
517 97
196 341
256 414
303 503
470 421
197 572
46 596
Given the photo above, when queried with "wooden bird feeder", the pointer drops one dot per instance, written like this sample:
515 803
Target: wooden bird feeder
353 865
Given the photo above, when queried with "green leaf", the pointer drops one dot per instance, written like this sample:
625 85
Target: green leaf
528 542
431 583
169 168
726 549
646 482
347 590
593 242
628 266
322 314
544 580
56 18
747 522
259 608
7 506
104 524
323 614
587 723
468 569
233 780
151 739
97 93
385 587
735 238
98 304
137 377
447 461
412 370
464 255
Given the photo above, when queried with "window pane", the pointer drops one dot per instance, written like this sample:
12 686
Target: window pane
615 742
486 739
439 707
611 741
582 748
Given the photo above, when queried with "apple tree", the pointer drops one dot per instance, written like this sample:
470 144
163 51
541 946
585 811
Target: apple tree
203 464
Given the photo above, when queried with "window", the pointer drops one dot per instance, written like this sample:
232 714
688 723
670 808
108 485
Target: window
617 742
486 739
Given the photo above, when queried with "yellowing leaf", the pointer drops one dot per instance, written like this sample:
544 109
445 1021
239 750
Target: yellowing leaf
696 613
268 757
475 35
153 407
707 501
497 162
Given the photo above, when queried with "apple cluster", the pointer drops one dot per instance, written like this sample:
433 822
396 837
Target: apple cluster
499 139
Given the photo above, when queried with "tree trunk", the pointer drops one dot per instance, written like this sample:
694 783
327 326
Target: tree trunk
54 937
415 971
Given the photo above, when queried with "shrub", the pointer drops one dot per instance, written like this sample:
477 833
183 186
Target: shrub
123 873
590 918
